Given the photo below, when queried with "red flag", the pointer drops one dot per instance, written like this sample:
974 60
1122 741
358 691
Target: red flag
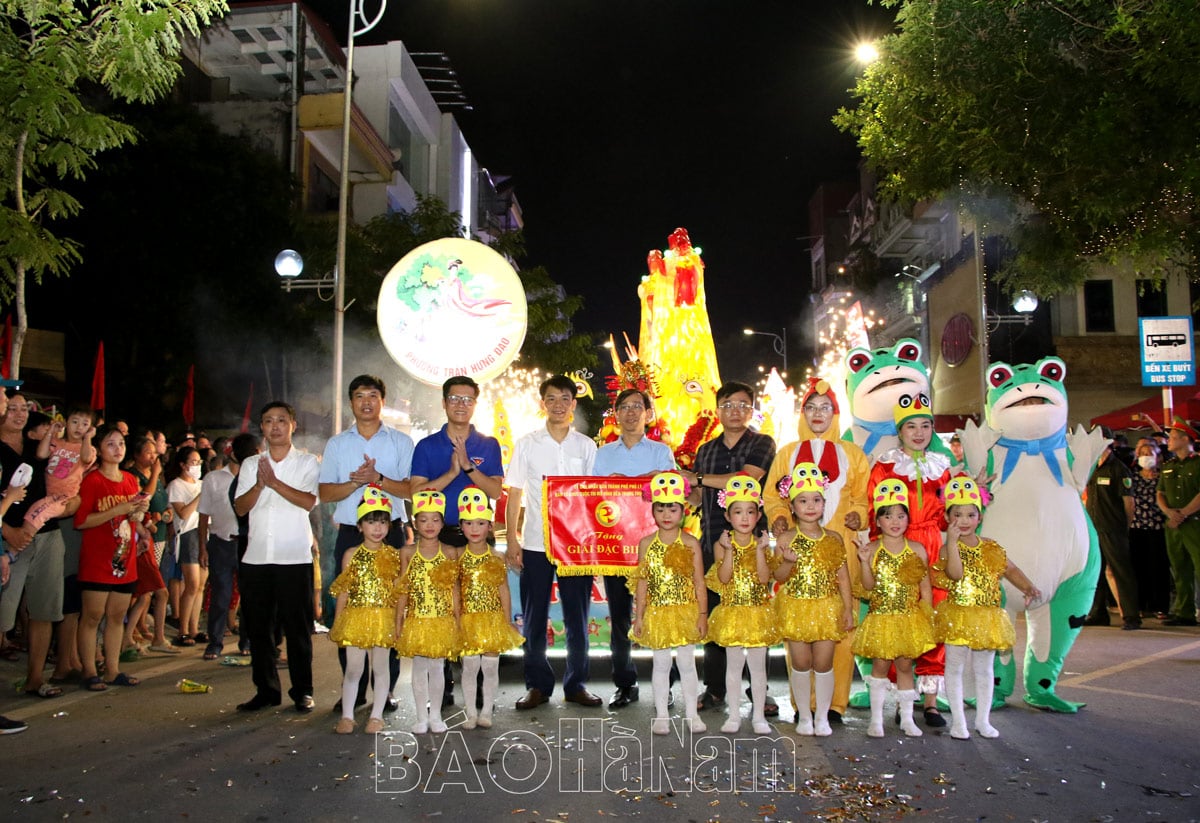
189 398
98 380
246 414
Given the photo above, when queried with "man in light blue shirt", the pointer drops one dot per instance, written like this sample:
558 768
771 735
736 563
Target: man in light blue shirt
633 455
367 453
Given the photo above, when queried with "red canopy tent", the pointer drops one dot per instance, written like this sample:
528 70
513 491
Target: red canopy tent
1186 403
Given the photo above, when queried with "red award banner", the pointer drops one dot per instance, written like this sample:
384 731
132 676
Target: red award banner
592 525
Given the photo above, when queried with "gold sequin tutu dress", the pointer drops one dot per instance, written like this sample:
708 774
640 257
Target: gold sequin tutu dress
430 628
971 614
808 606
369 582
671 610
743 617
897 624
486 629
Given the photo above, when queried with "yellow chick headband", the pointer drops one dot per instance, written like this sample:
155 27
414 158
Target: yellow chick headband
890 492
429 500
473 504
668 487
910 406
740 488
374 500
962 491
806 477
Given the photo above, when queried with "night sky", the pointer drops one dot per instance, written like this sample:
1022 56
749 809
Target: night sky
621 120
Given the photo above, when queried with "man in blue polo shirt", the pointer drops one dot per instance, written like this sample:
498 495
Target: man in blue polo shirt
632 455
457 456
452 458
367 453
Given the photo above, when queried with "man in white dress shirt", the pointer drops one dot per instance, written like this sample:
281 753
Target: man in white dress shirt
277 489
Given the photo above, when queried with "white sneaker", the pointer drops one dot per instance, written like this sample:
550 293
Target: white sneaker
437 725
821 727
661 725
731 725
485 719
320 628
762 727
421 727
696 725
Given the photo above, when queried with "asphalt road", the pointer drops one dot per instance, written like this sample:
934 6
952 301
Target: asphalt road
1130 755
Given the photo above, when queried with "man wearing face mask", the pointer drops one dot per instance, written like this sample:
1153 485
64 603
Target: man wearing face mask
1110 505
846 473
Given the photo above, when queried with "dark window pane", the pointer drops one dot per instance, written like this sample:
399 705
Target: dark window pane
1098 306
1151 298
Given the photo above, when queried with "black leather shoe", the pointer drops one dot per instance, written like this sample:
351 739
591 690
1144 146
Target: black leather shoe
835 717
257 702
583 698
305 704
532 699
934 719
1179 621
391 705
1097 621
447 699
623 696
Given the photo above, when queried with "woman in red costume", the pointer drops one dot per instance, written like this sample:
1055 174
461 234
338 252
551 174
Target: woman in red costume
926 474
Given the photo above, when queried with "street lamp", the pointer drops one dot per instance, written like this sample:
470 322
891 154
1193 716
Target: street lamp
1025 303
779 342
357 16
289 265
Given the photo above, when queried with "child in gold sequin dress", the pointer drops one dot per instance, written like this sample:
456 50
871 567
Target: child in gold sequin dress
971 621
897 628
670 599
366 608
813 606
485 623
743 622
427 609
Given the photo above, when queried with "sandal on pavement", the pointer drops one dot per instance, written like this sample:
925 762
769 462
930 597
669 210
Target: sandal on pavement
164 648
211 656
123 679
45 691
10 653
93 684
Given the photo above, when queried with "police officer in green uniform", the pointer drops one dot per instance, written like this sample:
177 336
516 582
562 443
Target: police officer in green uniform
1110 505
1179 498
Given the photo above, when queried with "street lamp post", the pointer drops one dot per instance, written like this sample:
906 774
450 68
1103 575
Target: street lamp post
359 24
780 342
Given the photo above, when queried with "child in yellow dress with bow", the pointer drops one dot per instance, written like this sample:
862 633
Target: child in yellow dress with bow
486 621
427 609
898 626
670 599
742 622
366 608
813 607
971 621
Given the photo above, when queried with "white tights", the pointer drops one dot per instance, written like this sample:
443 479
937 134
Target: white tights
735 658
661 679
471 667
356 660
428 681
981 666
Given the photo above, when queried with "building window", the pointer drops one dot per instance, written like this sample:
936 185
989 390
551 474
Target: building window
1151 298
1098 306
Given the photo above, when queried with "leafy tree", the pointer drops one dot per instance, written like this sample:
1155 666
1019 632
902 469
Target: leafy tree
1068 127
58 62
